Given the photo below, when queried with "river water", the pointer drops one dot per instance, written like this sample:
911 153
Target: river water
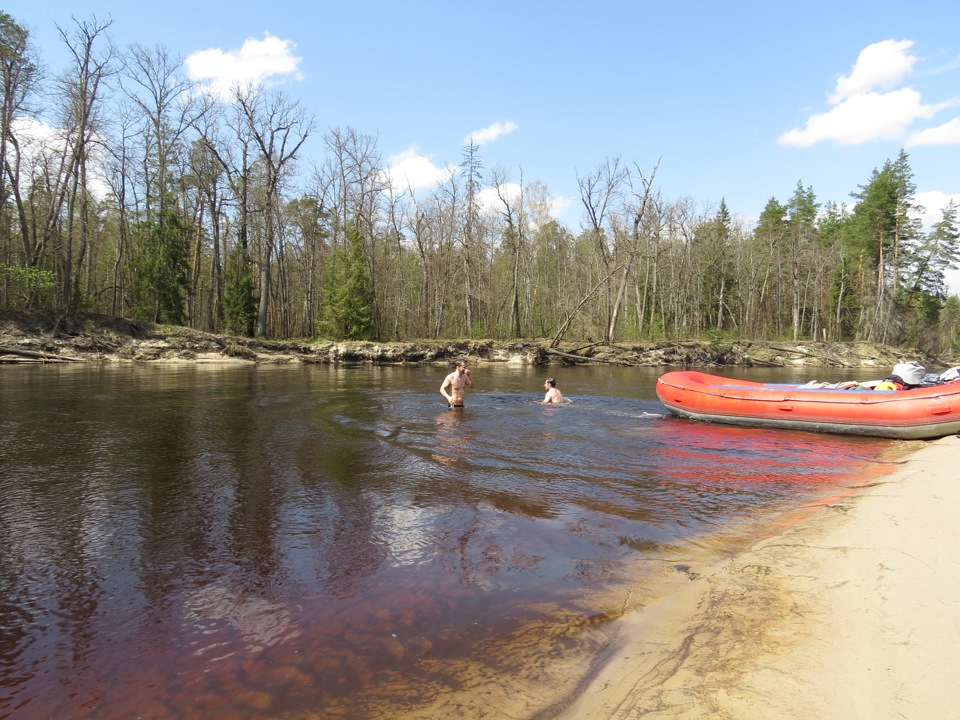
236 541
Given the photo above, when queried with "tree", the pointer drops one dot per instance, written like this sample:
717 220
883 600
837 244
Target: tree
512 214
239 302
167 108
885 231
936 253
802 209
469 236
843 263
642 200
925 289
601 193
161 268
769 237
19 73
712 242
81 97
279 127
348 295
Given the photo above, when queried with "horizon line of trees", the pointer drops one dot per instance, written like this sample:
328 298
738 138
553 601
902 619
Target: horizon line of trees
157 202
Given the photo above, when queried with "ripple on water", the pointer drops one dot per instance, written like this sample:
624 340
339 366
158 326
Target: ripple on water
265 542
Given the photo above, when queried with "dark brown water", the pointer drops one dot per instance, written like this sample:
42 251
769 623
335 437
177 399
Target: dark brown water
326 542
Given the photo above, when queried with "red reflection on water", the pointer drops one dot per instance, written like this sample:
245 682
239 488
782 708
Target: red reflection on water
712 455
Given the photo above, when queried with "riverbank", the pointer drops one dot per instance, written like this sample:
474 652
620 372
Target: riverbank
851 612
97 338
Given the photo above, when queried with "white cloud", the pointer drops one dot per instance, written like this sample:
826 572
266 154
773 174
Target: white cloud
411 170
868 105
559 205
489 198
38 139
255 62
946 134
881 65
933 202
862 118
32 131
491 133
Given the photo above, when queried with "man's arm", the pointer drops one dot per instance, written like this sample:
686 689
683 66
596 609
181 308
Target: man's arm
467 379
443 389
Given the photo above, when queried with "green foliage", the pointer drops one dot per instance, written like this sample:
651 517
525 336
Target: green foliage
934 255
950 324
17 66
239 302
347 311
881 218
161 268
771 227
35 287
655 329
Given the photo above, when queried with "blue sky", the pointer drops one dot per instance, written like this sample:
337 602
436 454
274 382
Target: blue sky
738 100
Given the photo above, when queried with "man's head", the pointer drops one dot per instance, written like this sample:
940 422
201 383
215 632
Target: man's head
461 366
551 382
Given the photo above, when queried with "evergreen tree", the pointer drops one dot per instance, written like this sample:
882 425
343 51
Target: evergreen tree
239 301
802 255
885 232
925 289
935 254
712 240
161 269
843 298
347 311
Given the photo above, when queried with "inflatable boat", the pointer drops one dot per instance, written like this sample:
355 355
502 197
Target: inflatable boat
918 414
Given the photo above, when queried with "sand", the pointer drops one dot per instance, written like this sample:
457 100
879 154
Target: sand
852 612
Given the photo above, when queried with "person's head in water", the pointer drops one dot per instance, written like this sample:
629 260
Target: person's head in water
553 395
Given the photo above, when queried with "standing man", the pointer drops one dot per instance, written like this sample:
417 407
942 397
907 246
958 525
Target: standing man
553 395
455 383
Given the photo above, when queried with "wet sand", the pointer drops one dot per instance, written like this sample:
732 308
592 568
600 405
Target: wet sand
851 612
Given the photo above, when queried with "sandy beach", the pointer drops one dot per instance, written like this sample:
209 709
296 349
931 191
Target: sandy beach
851 612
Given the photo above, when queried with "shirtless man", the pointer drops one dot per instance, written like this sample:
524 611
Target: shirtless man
553 395
455 383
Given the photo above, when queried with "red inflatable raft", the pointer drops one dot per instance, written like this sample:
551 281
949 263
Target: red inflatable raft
918 414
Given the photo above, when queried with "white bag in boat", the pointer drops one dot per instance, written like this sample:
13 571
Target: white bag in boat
951 374
910 372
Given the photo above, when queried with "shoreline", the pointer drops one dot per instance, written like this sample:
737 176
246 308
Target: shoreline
39 338
850 611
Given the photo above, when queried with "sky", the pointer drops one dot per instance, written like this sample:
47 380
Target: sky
736 101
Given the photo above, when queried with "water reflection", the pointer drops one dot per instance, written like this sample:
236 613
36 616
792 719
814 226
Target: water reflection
327 542
453 438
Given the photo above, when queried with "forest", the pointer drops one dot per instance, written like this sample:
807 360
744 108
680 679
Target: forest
149 199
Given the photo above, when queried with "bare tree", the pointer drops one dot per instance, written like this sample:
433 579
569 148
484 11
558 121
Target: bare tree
639 210
19 75
279 127
601 193
81 97
511 212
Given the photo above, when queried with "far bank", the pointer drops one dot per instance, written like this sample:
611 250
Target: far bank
37 338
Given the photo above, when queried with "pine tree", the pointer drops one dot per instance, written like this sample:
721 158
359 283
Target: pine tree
885 232
239 301
347 311
161 269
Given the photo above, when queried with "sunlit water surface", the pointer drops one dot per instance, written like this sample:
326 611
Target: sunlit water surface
322 542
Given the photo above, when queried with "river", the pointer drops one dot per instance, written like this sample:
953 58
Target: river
235 541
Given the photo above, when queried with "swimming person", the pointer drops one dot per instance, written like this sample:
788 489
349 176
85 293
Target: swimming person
553 395
457 382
